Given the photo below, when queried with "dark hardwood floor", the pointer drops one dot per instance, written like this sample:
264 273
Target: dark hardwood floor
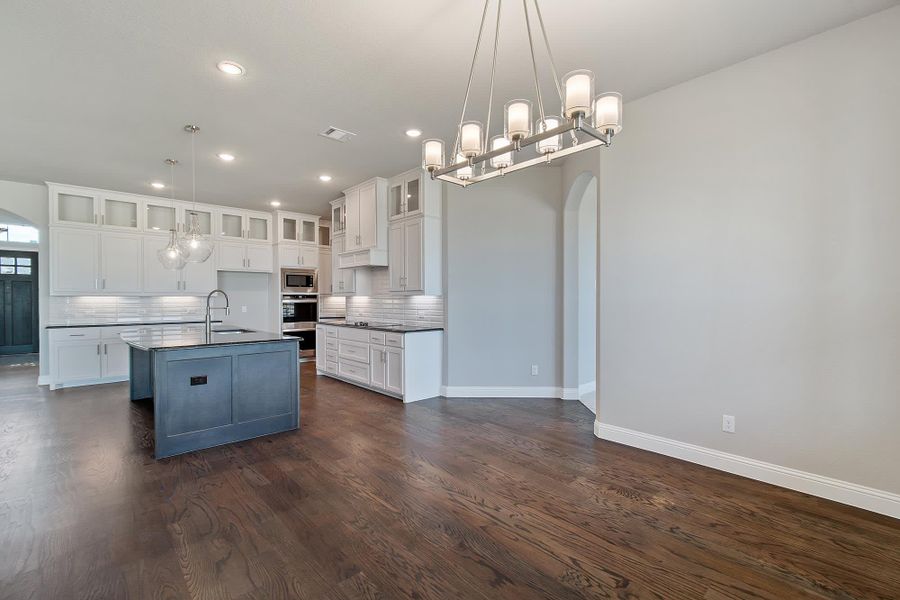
472 499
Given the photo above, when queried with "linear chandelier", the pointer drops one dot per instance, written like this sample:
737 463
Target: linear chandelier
478 157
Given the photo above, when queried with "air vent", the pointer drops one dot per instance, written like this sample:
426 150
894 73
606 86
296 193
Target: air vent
338 135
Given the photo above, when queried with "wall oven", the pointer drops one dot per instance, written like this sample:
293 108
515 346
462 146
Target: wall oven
299 281
299 314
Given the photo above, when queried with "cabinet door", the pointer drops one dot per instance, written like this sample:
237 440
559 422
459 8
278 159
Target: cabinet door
412 203
199 278
230 225
368 216
204 220
309 257
351 221
259 228
377 362
393 370
119 211
76 361
157 279
74 255
325 272
75 208
324 236
395 199
231 257
120 263
320 348
288 255
114 361
337 246
396 256
160 216
259 258
288 229
413 251
348 280
337 218
309 233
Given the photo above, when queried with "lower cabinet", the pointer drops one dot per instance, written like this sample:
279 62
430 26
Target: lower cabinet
404 365
87 355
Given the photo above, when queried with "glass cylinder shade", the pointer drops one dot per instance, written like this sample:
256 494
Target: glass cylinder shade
465 172
470 138
517 119
433 155
503 160
579 93
551 144
608 112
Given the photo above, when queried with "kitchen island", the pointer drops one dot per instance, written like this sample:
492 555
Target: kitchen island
214 388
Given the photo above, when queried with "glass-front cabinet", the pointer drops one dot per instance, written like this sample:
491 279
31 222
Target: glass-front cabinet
258 228
309 231
297 227
287 228
120 212
74 207
160 216
324 235
405 195
243 225
231 224
204 219
338 217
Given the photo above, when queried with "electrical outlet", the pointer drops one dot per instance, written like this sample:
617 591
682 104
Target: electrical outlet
534 369
243 309
728 423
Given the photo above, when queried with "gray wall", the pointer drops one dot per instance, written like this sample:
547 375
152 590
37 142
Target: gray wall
749 258
250 291
504 259
30 202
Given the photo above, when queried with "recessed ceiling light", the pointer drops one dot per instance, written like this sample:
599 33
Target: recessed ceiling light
158 185
413 132
230 67
324 177
225 156
275 203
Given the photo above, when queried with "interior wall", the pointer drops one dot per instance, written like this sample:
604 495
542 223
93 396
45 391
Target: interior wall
504 259
30 202
248 292
749 258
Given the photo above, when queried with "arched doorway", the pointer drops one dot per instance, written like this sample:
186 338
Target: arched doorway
580 227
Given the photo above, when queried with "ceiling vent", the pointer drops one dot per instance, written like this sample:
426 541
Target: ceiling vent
338 135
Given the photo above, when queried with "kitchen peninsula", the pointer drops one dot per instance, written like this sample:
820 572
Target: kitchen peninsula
213 388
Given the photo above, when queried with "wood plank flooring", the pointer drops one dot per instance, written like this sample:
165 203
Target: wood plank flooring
469 499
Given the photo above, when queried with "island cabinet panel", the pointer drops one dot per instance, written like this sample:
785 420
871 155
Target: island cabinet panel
198 392
258 395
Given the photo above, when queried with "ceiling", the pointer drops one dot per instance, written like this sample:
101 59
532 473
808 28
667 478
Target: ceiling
96 92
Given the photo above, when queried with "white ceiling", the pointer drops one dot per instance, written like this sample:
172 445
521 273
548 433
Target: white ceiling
95 92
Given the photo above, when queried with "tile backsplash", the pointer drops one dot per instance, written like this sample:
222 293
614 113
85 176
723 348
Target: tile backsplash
390 308
114 309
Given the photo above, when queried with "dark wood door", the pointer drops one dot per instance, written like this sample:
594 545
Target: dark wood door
18 302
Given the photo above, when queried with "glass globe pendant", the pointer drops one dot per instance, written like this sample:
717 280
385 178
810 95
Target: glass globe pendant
195 246
171 256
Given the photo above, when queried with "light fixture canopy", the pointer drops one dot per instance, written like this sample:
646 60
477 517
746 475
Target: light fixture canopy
225 156
229 67
524 124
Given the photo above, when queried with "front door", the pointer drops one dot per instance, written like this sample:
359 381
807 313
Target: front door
18 302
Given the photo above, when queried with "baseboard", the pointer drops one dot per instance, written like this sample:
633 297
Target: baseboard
43 380
455 391
867 498
587 388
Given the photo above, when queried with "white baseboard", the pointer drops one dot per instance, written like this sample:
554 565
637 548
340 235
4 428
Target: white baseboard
43 380
587 388
878 501
455 391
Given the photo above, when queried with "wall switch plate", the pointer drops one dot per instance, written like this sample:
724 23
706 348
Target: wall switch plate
243 309
534 369
728 423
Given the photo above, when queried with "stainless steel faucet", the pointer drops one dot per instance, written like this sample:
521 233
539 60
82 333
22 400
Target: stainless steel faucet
211 308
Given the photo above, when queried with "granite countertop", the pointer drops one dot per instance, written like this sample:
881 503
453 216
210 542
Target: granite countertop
75 323
390 328
195 337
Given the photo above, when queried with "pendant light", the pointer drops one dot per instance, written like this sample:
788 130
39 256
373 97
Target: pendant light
195 246
171 257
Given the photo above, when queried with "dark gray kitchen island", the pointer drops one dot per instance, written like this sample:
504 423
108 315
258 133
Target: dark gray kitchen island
215 388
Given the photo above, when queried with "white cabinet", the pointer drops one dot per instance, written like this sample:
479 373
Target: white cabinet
160 216
87 355
199 279
364 224
338 217
236 256
377 362
415 256
114 362
234 224
414 193
196 279
325 272
120 263
294 255
74 206
324 235
77 361
347 281
393 370
120 211
320 348
296 227
74 261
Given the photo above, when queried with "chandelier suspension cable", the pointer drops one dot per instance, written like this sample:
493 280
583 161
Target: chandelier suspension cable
462 115
193 172
537 85
487 129
556 79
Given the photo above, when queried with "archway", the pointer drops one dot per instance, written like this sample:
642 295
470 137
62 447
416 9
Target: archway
580 235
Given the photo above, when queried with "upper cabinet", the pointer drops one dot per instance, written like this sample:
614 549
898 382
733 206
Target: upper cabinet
120 211
324 235
413 193
338 217
94 208
235 224
296 227
365 224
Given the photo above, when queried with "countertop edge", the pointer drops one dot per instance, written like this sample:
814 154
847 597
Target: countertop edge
127 324
385 329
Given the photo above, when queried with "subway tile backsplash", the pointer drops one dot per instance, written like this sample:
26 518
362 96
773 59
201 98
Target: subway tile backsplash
74 310
390 308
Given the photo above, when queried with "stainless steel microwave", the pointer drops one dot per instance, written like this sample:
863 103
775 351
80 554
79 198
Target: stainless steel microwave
299 281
